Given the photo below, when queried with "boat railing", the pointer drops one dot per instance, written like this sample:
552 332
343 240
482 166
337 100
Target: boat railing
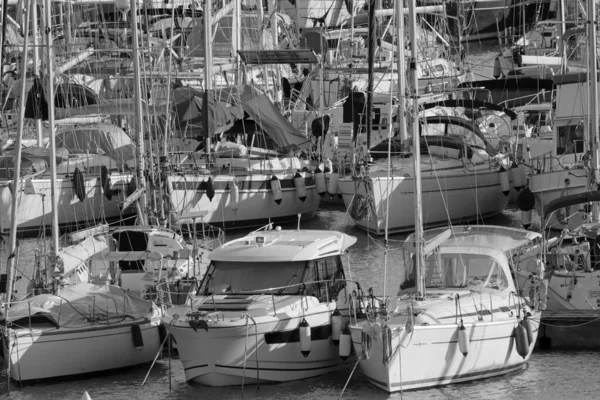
548 162
170 294
361 304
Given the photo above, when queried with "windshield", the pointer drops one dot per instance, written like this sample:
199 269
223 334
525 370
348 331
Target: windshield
472 271
229 276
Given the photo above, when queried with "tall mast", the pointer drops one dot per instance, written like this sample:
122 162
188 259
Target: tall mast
237 39
401 60
139 122
3 37
207 71
416 149
51 122
36 63
594 119
10 267
562 27
370 61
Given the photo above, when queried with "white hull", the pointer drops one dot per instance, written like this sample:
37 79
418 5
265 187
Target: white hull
446 198
552 185
227 353
48 352
34 206
430 355
256 205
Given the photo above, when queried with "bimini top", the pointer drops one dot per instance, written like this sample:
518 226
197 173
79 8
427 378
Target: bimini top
483 236
283 245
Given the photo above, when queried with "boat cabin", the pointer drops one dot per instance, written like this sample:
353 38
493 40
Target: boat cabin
279 263
475 259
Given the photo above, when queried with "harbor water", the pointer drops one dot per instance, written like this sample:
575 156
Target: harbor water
548 375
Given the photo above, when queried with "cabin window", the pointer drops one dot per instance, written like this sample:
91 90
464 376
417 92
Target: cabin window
131 241
439 67
570 139
433 129
329 268
466 135
475 272
256 277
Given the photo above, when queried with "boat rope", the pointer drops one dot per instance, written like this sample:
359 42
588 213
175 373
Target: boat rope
349 377
153 362
566 326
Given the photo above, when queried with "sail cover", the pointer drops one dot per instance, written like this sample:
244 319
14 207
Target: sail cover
265 114
187 107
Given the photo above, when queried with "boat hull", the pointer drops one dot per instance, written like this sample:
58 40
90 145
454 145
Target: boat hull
430 355
550 186
226 354
34 205
255 206
48 353
451 198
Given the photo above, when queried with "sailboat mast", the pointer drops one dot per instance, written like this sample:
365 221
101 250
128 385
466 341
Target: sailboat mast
416 149
236 39
139 123
594 118
400 59
10 267
370 61
3 37
207 71
36 62
51 122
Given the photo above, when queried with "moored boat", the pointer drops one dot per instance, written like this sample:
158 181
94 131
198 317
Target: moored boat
269 308
462 322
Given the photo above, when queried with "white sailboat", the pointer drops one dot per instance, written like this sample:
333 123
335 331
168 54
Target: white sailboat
461 181
456 317
251 185
67 325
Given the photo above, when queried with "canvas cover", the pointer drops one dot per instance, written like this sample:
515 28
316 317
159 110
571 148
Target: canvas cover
82 305
33 159
496 237
187 107
275 125
97 139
